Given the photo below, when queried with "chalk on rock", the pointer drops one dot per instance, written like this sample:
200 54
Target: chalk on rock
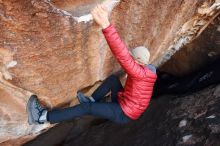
182 123
84 18
109 4
186 138
211 117
11 64
217 91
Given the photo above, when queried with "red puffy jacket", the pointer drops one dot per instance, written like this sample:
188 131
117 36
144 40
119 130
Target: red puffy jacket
138 89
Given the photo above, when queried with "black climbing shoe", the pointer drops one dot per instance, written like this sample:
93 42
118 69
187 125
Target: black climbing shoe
35 111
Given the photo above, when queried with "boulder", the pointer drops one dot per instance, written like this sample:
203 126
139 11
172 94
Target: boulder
53 49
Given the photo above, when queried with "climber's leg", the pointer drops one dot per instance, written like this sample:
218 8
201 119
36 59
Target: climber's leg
113 84
111 111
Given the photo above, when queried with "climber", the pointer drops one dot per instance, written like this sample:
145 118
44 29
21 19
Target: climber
127 104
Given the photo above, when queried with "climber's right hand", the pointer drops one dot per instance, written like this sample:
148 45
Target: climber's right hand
100 15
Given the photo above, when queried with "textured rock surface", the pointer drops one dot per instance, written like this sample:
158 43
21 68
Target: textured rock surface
44 50
198 53
181 120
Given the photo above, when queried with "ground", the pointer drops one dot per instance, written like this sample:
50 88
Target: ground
170 120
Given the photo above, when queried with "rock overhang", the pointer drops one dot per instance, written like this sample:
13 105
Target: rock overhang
50 54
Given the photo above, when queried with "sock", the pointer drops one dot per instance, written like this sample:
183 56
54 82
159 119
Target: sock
43 117
91 98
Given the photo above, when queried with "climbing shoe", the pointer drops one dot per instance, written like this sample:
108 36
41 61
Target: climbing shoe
84 99
36 113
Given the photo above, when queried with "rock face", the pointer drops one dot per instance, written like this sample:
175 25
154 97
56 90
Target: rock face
52 49
205 48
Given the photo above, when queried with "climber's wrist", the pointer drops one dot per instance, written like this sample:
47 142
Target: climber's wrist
105 25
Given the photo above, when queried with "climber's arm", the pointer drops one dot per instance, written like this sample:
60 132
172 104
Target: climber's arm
115 43
121 52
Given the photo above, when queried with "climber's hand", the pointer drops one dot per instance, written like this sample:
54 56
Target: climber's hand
100 15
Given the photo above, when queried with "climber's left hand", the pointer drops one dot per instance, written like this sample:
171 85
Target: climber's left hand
100 15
